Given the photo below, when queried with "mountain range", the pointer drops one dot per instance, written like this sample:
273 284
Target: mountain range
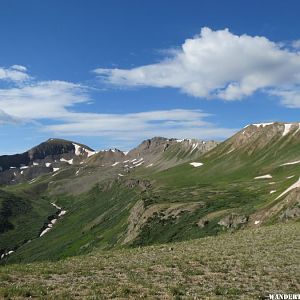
62 198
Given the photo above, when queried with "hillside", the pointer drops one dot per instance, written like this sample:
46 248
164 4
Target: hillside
244 265
165 190
75 179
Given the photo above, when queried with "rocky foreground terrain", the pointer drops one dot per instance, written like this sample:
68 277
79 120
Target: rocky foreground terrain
245 265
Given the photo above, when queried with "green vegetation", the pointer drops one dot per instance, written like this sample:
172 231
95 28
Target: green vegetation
21 218
151 206
96 219
248 264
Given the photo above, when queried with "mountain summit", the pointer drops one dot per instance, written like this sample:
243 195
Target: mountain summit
46 157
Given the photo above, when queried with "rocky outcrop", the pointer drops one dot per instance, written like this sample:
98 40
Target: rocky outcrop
158 145
291 213
140 214
135 182
255 137
162 153
233 221
203 222
106 157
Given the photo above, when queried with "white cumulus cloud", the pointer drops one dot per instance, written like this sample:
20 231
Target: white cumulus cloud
217 64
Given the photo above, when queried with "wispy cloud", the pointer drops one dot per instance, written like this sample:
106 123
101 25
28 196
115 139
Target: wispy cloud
218 64
289 97
56 101
179 123
41 100
7 119
296 44
15 73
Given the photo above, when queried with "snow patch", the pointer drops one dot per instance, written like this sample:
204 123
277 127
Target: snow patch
56 206
149 166
121 175
256 222
138 161
196 164
262 124
268 176
70 161
62 213
116 163
6 254
272 192
45 231
230 151
287 128
289 177
55 169
139 164
79 149
53 221
293 186
290 163
194 147
48 165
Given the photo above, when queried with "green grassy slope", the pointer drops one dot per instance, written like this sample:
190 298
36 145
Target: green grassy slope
96 219
181 203
248 264
226 185
22 215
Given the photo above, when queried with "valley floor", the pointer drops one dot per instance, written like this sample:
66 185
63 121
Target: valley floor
248 264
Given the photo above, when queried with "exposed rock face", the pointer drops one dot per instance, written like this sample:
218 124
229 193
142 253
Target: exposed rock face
134 182
254 137
56 154
107 157
203 222
140 214
291 213
164 153
51 148
160 144
44 158
233 221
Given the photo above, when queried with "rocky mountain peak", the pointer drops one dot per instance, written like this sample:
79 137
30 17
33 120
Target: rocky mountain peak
49 156
254 137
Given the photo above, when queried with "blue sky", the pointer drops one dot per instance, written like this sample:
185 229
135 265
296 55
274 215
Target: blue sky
111 73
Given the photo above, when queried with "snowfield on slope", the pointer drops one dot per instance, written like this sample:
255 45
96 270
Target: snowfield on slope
293 186
287 128
268 176
196 164
290 163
